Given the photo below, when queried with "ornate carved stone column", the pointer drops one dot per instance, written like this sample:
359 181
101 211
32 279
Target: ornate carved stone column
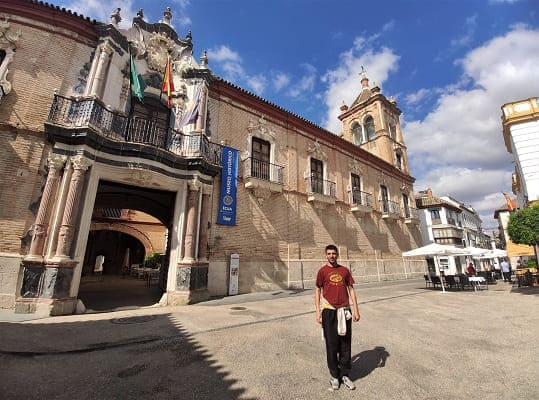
55 163
192 220
102 64
204 216
65 236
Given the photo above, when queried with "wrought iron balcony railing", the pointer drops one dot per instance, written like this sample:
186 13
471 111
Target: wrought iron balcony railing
90 113
411 213
320 186
357 197
389 207
263 170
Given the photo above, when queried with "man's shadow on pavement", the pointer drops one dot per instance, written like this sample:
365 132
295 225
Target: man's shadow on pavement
367 361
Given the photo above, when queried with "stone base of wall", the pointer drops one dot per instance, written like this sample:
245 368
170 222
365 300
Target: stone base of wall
257 276
218 278
185 297
45 307
10 271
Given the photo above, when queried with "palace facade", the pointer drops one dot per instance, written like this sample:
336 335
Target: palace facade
92 145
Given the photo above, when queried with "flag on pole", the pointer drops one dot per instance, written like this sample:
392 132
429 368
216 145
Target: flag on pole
137 83
168 84
190 114
510 203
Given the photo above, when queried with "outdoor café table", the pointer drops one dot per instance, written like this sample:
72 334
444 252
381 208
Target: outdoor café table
476 281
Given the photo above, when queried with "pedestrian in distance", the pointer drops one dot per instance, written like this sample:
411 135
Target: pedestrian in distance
335 285
470 270
506 270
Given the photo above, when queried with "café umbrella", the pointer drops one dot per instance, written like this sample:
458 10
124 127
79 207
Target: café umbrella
436 250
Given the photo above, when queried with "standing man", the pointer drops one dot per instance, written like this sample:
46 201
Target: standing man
506 270
335 283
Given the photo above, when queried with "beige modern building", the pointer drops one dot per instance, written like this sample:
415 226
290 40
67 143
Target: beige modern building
83 156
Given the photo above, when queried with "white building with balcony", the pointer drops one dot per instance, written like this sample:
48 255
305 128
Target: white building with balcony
445 220
520 121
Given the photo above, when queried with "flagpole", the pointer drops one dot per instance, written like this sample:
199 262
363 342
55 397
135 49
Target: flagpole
164 76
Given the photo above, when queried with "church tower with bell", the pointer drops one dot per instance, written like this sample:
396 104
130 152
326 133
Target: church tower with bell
372 122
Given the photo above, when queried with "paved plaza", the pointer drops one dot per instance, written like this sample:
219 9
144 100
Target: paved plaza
411 343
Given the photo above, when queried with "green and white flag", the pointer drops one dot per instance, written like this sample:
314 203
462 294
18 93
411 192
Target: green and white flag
137 83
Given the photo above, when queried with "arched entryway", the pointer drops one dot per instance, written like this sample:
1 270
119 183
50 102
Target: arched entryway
126 257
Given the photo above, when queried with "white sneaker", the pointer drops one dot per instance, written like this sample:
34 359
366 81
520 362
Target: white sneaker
348 383
334 382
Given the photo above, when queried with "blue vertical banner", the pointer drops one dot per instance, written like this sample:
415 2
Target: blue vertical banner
229 187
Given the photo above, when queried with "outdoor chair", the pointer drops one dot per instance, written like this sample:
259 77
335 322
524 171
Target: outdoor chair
436 281
427 281
465 282
451 281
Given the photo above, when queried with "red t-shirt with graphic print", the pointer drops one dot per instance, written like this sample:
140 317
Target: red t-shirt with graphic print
334 282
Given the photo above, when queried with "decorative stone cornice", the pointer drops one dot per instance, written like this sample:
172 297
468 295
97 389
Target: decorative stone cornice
316 150
8 37
355 166
260 127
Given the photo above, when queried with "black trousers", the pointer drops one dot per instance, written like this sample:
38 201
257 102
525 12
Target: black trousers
338 348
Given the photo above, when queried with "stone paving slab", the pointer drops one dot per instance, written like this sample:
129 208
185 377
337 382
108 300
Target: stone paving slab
411 343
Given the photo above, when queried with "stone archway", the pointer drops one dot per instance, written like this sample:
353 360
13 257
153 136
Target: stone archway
128 230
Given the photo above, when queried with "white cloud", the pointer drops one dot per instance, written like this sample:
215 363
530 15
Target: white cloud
99 11
344 82
96 10
257 82
458 147
306 83
229 63
417 97
280 81
467 36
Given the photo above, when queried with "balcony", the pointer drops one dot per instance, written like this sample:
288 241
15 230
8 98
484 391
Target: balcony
447 233
360 202
411 215
320 192
87 121
261 176
390 209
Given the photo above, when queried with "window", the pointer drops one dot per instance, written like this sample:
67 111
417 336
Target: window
435 216
356 189
260 159
317 176
357 133
393 131
148 122
406 205
369 127
398 161
385 198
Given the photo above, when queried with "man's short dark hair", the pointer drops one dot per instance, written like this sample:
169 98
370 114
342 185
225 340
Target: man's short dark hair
332 247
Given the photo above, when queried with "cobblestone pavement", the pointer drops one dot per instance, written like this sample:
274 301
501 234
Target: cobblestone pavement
411 343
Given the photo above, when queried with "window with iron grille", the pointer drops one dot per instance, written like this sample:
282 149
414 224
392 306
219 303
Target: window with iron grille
356 189
317 176
260 158
406 205
385 198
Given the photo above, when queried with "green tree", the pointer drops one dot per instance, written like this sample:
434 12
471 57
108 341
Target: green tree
523 226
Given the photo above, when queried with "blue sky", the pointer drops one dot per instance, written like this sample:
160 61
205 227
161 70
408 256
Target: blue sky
450 65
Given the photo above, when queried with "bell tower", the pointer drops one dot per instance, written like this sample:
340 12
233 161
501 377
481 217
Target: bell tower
372 122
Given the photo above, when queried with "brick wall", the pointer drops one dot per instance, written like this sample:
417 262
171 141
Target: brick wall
44 61
281 239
